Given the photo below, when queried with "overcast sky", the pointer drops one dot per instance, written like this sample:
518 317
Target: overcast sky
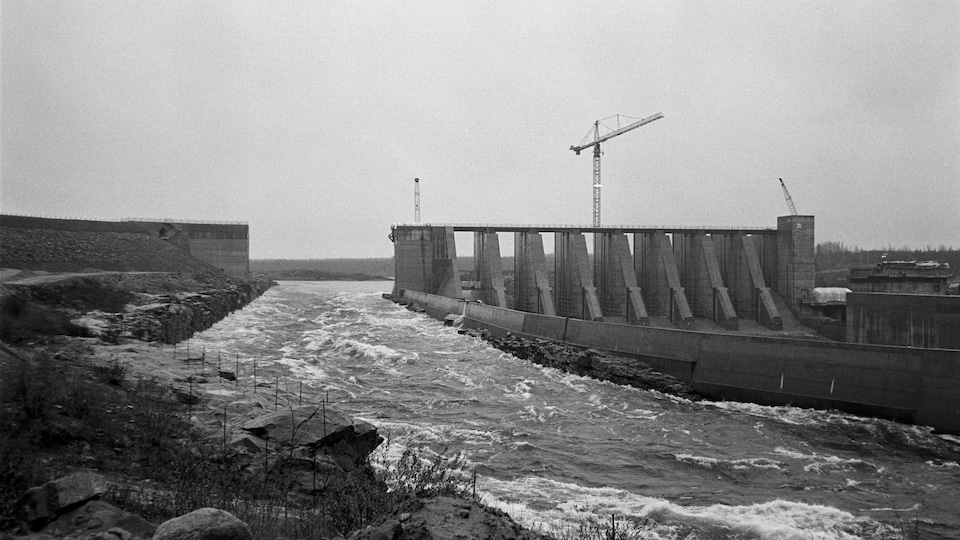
309 120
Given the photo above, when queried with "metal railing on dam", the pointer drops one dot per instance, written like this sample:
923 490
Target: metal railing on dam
546 227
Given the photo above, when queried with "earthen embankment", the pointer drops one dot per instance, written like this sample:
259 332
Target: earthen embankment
120 283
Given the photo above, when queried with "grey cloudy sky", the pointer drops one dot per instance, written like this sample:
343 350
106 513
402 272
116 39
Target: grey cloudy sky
309 120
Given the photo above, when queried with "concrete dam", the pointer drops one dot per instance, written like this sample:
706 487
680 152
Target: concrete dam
714 307
681 275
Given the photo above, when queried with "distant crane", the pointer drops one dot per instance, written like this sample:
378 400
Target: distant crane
595 143
786 195
416 200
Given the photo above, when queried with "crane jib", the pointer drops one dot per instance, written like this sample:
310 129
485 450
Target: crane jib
620 131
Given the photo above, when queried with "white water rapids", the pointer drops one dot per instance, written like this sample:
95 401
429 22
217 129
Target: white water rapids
553 449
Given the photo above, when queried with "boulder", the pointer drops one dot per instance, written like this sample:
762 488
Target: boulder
96 520
388 530
204 524
332 433
445 517
186 396
41 505
247 444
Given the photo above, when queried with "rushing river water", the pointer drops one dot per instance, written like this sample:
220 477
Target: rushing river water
552 448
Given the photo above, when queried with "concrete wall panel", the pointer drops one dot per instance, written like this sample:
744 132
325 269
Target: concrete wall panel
544 326
505 318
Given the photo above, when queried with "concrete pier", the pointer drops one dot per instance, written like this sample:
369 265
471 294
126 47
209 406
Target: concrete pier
486 254
576 293
688 278
795 258
744 275
531 286
661 278
701 272
621 298
425 259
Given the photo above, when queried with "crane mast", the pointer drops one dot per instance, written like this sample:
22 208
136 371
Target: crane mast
416 200
786 195
596 175
595 143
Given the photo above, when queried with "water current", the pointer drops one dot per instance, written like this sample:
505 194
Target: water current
554 449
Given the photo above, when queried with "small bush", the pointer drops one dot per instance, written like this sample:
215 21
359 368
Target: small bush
22 320
112 372
19 468
87 295
27 387
421 477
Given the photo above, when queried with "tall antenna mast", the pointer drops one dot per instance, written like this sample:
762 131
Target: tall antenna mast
416 200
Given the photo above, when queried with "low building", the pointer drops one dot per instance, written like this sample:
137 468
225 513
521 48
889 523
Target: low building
908 277
825 310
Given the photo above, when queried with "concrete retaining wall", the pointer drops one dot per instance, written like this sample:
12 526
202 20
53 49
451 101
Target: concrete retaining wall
910 320
902 383
224 246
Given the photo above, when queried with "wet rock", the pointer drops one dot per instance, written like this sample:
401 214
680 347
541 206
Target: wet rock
204 524
591 363
174 318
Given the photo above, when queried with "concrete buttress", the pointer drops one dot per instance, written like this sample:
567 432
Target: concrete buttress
703 281
486 248
576 293
660 279
530 283
765 308
620 294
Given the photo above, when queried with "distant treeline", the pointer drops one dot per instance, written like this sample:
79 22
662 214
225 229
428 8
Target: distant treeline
834 260
832 255
324 269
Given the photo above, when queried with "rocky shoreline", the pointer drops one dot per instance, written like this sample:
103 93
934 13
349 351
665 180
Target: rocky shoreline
579 361
589 363
222 417
173 318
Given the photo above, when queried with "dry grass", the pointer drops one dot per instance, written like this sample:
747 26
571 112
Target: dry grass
60 416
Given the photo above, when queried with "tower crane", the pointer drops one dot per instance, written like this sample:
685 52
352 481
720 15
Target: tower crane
595 143
786 195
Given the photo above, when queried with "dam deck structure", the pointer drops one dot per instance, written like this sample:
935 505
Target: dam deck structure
714 306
